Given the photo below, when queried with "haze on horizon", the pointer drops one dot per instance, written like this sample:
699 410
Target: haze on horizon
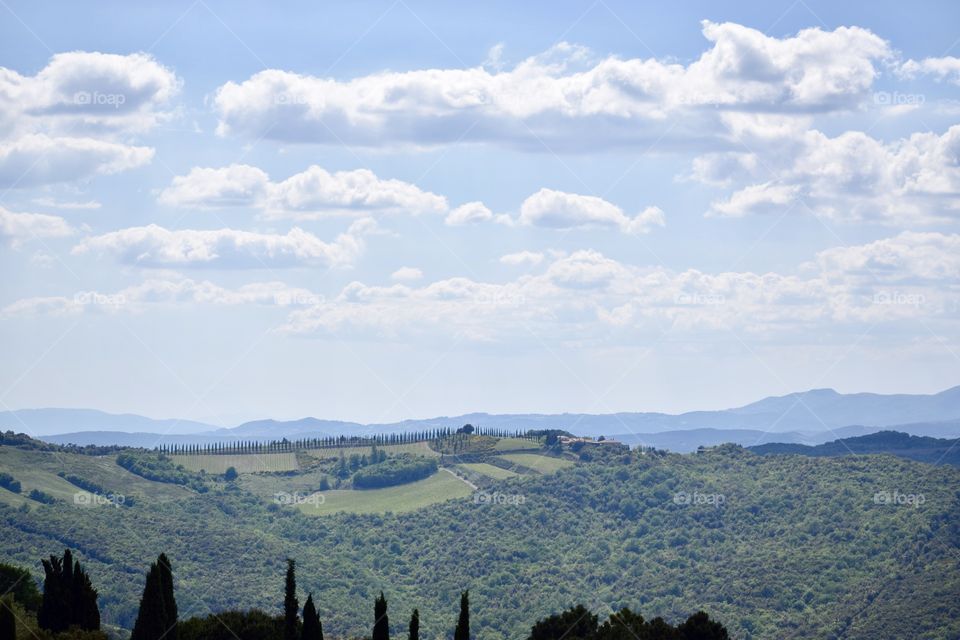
389 211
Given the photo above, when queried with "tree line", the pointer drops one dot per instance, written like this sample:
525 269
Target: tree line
335 442
68 610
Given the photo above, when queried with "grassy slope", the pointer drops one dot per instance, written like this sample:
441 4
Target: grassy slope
538 463
243 463
489 470
439 487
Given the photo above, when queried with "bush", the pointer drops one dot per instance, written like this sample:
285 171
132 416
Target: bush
7 481
230 475
398 470
41 496
160 468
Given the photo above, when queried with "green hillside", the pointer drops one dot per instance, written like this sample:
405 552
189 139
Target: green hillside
772 546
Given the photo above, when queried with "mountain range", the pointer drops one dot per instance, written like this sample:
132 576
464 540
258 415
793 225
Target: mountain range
810 417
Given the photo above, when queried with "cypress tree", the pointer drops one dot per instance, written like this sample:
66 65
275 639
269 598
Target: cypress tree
381 624
151 618
312 629
169 602
291 605
463 624
69 598
8 623
415 625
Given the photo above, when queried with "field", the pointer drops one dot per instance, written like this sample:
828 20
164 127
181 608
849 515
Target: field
243 463
538 463
512 444
439 487
489 470
413 448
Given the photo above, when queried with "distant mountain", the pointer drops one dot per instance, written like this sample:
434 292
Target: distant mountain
125 439
45 422
921 448
810 415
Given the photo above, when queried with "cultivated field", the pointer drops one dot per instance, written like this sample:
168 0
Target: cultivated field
538 463
439 487
413 448
512 444
489 470
243 463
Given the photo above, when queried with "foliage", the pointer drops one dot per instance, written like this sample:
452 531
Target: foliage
8 482
462 632
157 617
159 468
253 624
69 598
291 605
312 627
42 496
19 583
399 470
381 622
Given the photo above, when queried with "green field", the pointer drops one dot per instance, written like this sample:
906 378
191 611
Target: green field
439 487
512 444
538 463
412 448
243 463
489 470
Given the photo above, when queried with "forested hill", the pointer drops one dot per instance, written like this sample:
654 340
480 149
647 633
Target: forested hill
924 449
772 546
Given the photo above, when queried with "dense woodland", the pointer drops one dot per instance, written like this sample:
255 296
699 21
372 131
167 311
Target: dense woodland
798 547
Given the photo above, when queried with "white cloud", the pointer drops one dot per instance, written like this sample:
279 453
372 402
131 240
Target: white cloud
943 69
560 210
851 177
469 213
587 297
156 291
407 274
312 193
16 228
40 159
522 257
155 246
619 102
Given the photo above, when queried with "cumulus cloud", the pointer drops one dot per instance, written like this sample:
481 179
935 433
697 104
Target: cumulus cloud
16 228
560 210
532 258
616 101
156 246
312 193
39 159
407 274
942 69
73 119
851 177
158 291
589 297
469 213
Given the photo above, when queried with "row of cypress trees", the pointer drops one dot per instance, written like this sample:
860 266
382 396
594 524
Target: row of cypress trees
312 629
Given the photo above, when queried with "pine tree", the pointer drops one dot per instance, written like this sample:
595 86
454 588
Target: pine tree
381 624
415 625
312 629
291 605
463 624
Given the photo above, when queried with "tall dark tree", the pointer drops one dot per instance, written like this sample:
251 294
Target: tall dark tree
415 625
169 602
291 606
463 623
699 626
312 629
576 623
381 624
157 617
8 623
69 598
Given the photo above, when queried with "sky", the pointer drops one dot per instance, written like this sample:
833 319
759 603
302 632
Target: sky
374 211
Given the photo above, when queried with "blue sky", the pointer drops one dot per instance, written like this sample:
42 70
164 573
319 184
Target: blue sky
374 211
